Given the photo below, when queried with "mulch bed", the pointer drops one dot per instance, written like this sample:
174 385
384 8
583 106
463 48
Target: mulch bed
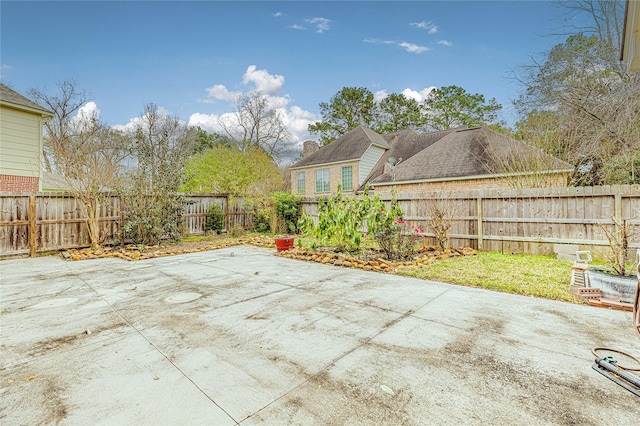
370 260
134 252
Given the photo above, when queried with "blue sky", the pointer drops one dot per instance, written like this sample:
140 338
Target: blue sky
191 58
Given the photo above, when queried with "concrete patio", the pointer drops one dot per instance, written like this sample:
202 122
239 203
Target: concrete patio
240 336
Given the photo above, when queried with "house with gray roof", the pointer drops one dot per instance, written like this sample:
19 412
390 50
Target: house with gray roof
20 141
410 161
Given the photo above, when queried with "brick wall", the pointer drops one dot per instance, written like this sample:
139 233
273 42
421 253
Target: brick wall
9 183
335 178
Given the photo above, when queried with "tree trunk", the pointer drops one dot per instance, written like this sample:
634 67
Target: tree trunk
93 223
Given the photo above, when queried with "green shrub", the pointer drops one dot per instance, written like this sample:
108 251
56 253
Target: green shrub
261 223
288 208
151 219
343 221
214 219
398 240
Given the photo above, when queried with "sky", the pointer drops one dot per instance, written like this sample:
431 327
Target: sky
192 59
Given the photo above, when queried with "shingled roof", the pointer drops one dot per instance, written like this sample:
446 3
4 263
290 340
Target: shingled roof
405 144
461 153
350 146
12 98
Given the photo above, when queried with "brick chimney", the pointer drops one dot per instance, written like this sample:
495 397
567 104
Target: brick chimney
308 148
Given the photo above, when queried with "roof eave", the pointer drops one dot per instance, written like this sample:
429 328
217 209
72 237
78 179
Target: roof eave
308 166
43 113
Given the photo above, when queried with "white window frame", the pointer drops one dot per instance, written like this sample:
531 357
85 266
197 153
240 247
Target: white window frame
301 183
322 181
344 187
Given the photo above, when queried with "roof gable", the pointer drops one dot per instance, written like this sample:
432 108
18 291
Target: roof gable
12 98
350 146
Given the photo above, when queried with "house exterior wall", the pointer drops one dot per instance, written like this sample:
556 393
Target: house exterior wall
20 150
457 185
368 162
335 178
631 36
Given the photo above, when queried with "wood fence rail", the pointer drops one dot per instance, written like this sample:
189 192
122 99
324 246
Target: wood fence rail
534 221
47 221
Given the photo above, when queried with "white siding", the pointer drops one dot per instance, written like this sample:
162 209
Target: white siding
368 161
20 143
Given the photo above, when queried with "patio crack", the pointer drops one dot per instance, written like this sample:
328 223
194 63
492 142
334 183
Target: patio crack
153 345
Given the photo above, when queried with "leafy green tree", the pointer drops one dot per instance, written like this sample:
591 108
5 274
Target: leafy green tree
347 109
249 176
229 170
451 106
397 112
205 140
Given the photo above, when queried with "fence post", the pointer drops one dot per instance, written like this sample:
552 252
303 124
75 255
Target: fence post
33 237
479 213
617 204
227 224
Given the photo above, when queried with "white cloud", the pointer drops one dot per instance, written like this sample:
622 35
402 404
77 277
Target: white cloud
220 92
88 110
413 48
409 47
296 27
207 122
278 14
429 26
417 95
130 126
380 95
298 120
263 81
322 24
85 115
445 43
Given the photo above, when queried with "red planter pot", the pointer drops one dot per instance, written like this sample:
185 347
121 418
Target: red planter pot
284 243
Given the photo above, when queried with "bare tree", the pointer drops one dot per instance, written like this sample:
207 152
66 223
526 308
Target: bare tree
257 123
619 237
439 213
523 166
83 154
65 104
594 101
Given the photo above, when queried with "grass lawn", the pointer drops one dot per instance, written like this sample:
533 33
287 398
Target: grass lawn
539 276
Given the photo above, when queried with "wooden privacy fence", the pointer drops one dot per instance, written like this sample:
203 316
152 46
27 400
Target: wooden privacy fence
533 221
40 222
